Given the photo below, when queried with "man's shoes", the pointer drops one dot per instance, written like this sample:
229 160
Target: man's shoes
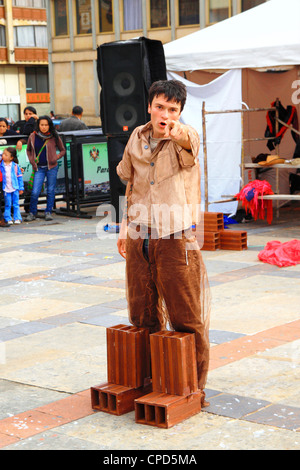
9 222
30 217
17 222
48 216
3 223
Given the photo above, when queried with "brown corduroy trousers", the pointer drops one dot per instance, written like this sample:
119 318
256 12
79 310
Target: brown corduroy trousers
169 284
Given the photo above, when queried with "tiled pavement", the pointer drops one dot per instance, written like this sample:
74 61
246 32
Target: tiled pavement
62 283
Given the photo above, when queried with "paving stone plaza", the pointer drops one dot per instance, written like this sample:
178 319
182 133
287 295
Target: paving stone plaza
62 283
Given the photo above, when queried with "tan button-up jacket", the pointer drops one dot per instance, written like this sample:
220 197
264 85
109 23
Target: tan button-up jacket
166 182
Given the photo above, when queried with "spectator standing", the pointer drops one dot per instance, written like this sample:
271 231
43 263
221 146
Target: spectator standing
74 122
26 126
42 148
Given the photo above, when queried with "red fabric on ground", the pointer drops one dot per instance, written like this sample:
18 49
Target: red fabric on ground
281 254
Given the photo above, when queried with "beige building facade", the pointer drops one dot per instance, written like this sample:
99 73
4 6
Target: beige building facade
24 76
77 27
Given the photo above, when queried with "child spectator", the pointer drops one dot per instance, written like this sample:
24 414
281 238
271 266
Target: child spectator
12 183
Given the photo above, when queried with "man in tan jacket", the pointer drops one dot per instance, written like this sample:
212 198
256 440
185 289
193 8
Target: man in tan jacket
166 276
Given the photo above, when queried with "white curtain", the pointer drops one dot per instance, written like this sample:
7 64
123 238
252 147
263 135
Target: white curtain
31 36
223 135
30 3
24 36
132 15
41 38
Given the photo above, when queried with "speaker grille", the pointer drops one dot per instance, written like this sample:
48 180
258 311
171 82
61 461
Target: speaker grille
124 91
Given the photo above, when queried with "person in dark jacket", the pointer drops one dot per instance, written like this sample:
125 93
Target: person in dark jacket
42 148
6 132
27 125
74 122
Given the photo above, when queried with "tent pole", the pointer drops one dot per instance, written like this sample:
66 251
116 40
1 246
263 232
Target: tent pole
205 156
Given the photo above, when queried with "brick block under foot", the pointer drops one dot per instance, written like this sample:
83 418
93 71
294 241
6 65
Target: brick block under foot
128 356
116 399
233 240
164 411
173 362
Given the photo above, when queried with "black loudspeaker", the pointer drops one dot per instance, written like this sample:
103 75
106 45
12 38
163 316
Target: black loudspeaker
126 69
115 149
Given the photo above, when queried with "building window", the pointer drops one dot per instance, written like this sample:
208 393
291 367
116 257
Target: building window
105 16
2 36
31 36
84 16
159 13
247 4
188 12
61 18
219 10
132 15
30 3
37 79
10 111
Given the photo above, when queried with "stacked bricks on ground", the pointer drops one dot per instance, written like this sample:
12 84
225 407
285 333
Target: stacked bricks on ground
215 237
128 370
173 394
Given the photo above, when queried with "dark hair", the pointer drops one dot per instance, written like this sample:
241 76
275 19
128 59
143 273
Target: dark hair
30 108
52 129
4 120
171 89
77 110
13 153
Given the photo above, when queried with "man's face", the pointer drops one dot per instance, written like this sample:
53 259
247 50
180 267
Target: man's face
28 114
162 112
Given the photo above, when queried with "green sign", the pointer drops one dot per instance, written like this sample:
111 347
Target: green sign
95 168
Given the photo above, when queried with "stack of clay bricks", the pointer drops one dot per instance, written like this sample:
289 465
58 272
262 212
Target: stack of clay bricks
128 370
215 237
175 394
170 396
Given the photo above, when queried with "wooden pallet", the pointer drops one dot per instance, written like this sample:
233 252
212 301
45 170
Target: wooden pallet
164 411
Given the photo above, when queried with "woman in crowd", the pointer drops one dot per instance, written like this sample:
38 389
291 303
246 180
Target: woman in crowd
44 148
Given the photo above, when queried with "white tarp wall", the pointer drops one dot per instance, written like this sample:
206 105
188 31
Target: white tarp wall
223 135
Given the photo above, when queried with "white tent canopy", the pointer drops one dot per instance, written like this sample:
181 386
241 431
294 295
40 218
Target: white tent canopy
264 36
